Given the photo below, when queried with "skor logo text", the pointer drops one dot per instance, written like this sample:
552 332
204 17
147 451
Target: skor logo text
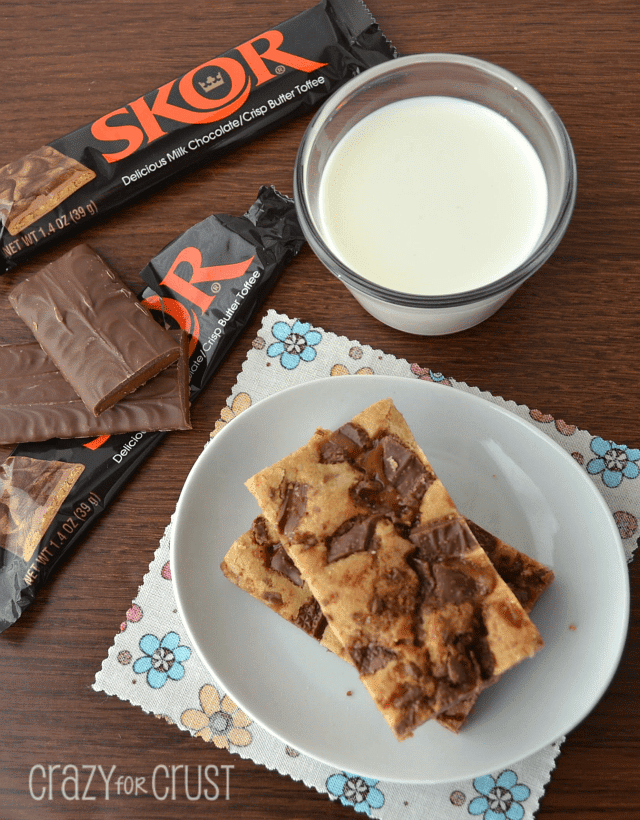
208 93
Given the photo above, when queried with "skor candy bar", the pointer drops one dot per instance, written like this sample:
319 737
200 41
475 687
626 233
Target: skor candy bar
101 338
227 101
37 403
243 257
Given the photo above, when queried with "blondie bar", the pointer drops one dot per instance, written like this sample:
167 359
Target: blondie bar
257 563
396 569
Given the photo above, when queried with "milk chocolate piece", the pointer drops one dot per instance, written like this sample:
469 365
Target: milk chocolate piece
246 566
344 444
419 645
393 480
37 403
293 507
35 184
275 557
356 535
449 537
311 620
280 562
101 338
31 493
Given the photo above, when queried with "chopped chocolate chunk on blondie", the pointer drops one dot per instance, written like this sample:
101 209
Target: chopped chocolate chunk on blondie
311 619
527 578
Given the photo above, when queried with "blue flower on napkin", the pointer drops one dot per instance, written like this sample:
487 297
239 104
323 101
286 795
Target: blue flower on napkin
615 462
162 659
501 797
358 792
295 343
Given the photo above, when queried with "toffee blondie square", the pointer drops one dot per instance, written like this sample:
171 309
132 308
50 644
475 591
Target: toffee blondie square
258 564
398 573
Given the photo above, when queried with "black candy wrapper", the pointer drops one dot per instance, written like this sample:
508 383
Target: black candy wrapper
216 107
209 281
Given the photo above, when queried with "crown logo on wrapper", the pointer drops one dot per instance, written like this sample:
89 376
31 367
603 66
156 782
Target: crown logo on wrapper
212 82
193 118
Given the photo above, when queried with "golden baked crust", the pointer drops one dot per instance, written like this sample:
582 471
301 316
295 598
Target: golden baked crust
257 563
398 573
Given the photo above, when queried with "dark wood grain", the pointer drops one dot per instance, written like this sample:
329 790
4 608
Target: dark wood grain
566 344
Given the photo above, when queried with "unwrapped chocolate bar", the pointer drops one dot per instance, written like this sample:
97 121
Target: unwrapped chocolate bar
225 102
37 403
252 250
93 328
397 571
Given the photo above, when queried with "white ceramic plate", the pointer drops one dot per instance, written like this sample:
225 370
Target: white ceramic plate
502 472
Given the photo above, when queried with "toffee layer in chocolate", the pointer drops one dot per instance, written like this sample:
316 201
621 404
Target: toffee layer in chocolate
258 564
31 493
398 574
35 184
91 325
37 403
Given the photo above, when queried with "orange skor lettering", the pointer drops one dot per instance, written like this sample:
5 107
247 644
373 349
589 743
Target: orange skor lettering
131 134
213 273
208 110
256 63
95 443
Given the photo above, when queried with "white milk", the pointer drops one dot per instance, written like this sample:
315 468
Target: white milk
433 195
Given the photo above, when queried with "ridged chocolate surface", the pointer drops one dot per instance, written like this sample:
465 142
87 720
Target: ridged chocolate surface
101 338
37 403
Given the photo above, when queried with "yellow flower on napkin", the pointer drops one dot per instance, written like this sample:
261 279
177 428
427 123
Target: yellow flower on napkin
227 414
220 721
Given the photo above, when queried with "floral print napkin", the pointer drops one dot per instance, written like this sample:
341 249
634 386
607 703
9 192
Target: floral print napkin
151 665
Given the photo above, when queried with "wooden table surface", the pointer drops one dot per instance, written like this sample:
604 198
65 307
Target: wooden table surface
567 344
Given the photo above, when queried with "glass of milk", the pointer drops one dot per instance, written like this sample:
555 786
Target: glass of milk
433 186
